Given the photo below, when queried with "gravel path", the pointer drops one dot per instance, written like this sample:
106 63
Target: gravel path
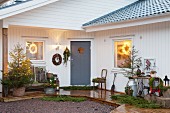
39 106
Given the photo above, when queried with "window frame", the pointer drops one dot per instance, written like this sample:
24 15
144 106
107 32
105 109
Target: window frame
113 48
30 40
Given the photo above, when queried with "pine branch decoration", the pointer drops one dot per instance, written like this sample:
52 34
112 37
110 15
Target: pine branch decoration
134 62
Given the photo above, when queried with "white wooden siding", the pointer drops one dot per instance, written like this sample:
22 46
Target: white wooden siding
15 36
66 14
152 41
0 58
54 37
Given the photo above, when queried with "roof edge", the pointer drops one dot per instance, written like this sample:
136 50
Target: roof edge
129 23
13 4
26 6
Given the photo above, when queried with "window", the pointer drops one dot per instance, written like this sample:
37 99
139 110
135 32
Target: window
34 50
122 53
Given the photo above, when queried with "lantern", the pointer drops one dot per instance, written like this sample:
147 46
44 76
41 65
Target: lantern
166 81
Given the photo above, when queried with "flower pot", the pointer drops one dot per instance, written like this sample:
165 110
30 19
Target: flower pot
49 75
49 91
18 92
6 90
128 91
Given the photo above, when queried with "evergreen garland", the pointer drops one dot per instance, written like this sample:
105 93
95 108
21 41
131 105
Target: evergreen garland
66 54
151 83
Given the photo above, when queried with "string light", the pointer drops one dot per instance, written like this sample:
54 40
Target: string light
126 48
33 48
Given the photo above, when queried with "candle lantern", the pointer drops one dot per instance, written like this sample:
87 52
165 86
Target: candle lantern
166 81
58 84
57 81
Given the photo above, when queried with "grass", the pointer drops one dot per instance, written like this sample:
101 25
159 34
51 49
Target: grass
135 101
63 98
79 87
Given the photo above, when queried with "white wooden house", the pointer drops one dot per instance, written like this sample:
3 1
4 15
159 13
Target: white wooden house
47 23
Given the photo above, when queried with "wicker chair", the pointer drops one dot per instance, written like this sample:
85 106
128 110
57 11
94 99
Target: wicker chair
102 79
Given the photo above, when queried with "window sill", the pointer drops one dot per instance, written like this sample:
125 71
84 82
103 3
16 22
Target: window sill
38 62
119 70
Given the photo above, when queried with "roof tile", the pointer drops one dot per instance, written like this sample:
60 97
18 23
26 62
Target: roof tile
12 3
138 9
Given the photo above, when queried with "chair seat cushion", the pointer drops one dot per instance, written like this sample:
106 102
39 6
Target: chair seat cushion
99 80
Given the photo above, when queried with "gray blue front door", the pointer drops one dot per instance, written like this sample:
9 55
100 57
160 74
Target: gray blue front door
80 62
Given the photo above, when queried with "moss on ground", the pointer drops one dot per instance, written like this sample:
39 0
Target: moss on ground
63 98
135 101
79 87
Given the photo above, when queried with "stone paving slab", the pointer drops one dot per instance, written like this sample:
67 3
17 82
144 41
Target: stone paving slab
131 109
28 95
23 98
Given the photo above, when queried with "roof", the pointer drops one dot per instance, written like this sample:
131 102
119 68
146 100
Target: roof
20 6
3 1
136 10
12 3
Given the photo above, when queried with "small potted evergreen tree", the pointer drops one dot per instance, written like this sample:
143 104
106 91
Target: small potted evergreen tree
135 63
19 73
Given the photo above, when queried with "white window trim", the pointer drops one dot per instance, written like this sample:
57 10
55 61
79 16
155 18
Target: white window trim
37 61
113 49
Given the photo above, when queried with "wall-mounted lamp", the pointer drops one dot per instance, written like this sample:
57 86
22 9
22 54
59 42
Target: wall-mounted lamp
58 46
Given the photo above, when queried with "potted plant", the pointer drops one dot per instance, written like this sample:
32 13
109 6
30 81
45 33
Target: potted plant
5 84
51 86
128 91
19 73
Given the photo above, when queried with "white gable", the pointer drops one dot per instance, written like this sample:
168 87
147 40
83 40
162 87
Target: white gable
66 14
